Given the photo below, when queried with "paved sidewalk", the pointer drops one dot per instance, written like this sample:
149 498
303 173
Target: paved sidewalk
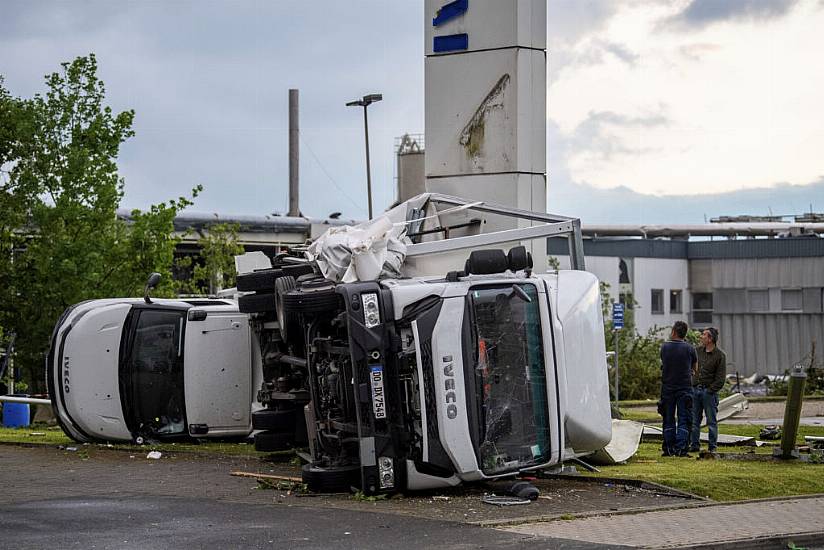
722 523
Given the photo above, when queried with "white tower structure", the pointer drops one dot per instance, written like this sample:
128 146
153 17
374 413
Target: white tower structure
485 73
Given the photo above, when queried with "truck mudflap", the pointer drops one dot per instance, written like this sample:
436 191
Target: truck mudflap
373 347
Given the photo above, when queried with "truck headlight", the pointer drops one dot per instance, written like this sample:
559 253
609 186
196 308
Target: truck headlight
371 311
387 472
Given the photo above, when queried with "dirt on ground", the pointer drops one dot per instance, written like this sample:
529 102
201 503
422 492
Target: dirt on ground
29 473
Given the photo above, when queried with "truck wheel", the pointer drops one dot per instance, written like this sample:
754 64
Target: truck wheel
282 286
317 296
270 442
256 303
296 270
281 420
337 479
258 280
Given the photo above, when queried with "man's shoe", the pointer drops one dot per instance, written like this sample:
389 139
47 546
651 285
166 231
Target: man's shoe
684 453
694 449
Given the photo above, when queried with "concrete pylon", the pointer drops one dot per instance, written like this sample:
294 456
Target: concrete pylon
485 73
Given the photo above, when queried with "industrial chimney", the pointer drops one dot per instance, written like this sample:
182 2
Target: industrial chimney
294 156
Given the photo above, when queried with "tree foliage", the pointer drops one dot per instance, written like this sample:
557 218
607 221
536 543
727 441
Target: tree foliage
639 355
214 269
61 241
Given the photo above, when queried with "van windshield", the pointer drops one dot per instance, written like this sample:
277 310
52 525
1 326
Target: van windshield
151 373
510 379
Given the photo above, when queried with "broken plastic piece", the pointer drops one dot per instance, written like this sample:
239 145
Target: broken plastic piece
154 455
504 500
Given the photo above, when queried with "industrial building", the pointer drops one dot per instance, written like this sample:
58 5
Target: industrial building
763 294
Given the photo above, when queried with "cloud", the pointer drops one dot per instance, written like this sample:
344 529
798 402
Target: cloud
622 205
699 13
600 137
741 104
209 81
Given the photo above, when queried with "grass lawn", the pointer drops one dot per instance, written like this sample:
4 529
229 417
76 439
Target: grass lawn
725 480
50 435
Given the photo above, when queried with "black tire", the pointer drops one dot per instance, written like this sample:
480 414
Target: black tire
279 421
296 270
312 299
486 262
258 280
270 442
337 479
286 320
257 303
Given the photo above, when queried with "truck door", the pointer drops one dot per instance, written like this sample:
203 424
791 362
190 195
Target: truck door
218 373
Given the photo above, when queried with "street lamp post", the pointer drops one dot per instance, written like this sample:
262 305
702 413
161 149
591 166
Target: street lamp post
365 102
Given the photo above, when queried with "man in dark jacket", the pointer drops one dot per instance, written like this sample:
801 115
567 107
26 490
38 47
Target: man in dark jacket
712 373
678 360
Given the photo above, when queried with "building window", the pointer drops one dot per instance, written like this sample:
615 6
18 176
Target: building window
702 308
676 301
791 299
657 301
759 300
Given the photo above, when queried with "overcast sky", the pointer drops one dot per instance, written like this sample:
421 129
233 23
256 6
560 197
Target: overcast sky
648 100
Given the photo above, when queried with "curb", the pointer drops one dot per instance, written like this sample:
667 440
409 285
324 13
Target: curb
760 543
703 503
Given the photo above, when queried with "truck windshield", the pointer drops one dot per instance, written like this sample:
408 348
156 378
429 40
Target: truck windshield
510 379
151 373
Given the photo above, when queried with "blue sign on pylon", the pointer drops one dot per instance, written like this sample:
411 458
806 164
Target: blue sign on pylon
617 316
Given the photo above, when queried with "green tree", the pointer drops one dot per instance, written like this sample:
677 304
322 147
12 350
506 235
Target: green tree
214 267
61 241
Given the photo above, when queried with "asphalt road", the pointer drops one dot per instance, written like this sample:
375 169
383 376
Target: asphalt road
102 499
158 523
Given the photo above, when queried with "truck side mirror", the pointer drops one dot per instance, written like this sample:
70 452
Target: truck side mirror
151 283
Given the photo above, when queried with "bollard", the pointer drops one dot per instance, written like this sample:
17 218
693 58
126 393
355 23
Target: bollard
792 413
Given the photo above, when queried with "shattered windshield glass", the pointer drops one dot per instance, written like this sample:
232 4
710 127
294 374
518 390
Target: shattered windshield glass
510 378
154 372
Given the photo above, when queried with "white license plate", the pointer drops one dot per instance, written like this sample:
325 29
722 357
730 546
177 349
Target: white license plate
378 395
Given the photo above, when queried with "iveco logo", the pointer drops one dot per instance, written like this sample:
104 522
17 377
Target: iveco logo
449 386
66 375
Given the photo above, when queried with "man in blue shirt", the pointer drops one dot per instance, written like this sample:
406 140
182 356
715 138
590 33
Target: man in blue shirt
678 360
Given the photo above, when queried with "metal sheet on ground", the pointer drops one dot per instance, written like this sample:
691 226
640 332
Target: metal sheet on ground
653 433
626 435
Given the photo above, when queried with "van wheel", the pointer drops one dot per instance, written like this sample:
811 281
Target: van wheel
337 479
256 303
258 280
317 296
282 286
270 441
281 420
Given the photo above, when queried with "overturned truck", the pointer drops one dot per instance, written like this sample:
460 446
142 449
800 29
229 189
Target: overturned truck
428 381
410 353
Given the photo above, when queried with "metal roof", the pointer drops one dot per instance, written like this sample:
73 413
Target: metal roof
680 249
248 224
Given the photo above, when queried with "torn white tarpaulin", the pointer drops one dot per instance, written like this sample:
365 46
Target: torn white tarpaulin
364 252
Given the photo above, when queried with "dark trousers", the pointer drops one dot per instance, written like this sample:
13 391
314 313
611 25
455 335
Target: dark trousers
705 402
676 408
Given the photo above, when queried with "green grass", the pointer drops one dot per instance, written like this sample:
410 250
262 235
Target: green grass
725 480
647 417
54 436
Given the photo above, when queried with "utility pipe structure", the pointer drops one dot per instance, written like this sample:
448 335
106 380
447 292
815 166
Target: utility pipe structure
741 229
294 154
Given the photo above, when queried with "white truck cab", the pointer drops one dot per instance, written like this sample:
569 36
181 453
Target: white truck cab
126 370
